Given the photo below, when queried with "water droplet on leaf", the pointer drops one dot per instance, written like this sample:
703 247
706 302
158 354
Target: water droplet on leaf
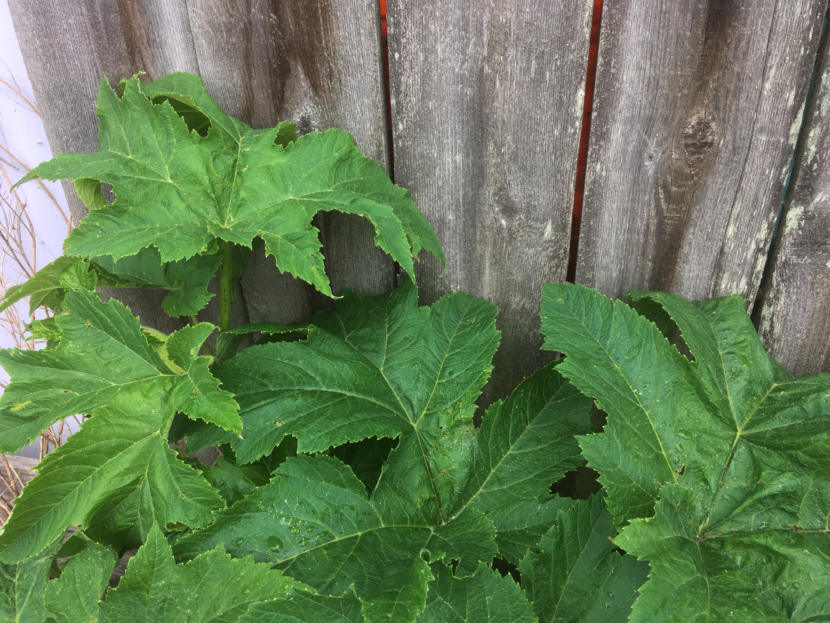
274 544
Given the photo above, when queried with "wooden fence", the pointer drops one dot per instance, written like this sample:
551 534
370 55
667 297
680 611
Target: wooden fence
698 112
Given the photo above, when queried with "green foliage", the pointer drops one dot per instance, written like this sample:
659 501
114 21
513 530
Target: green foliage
47 288
484 597
154 588
115 477
353 484
22 587
103 354
715 465
575 574
186 176
186 281
392 368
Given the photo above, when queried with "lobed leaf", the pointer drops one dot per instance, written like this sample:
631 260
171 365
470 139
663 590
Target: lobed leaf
763 573
116 476
384 367
102 354
381 368
212 588
186 175
740 518
44 288
315 522
654 401
186 281
524 445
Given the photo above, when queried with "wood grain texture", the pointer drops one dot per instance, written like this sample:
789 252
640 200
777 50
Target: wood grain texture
795 307
696 113
317 62
486 114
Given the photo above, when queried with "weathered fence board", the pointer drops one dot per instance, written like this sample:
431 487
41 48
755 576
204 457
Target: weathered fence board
696 113
486 114
316 62
795 309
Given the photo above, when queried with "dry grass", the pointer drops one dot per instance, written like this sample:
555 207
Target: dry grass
15 472
18 262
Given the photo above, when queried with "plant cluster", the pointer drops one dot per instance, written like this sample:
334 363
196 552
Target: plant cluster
353 484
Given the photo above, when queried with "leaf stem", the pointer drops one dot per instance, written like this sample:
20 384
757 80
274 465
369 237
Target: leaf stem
225 285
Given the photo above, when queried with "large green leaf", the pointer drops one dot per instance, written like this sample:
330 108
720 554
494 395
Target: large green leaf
103 353
316 523
119 469
765 572
382 367
741 522
575 574
655 403
485 597
213 588
181 191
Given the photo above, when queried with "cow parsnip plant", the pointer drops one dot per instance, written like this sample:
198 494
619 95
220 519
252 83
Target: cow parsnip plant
353 484
716 465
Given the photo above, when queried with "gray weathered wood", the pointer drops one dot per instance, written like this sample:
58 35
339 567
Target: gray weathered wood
795 310
486 114
696 113
317 62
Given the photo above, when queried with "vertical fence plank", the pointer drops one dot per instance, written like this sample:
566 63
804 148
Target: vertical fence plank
67 48
317 62
794 317
486 113
696 113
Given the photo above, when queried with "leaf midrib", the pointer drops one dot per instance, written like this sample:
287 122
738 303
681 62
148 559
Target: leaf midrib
572 567
35 525
404 411
738 435
357 534
553 399
565 368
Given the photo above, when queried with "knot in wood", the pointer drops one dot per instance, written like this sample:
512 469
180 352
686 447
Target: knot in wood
699 137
